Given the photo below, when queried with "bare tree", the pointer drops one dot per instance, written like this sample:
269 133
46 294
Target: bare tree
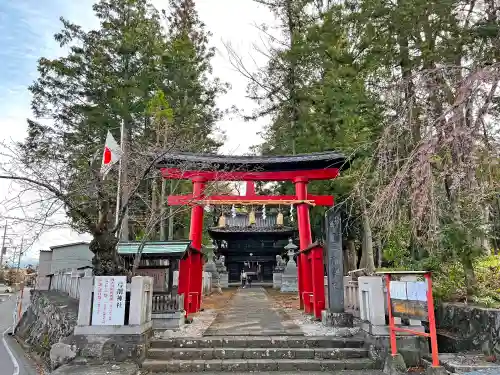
447 179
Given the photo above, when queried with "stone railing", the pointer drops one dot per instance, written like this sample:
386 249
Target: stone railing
351 296
165 302
68 282
168 311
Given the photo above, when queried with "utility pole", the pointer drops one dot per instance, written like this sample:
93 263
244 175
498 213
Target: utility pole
20 254
3 250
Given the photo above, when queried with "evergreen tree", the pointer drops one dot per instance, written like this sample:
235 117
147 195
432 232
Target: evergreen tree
321 102
188 85
191 93
107 78
113 76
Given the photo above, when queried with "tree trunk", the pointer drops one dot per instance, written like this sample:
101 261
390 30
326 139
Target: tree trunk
154 204
170 223
380 253
163 211
367 259
470 275
106 261
171 216
351 262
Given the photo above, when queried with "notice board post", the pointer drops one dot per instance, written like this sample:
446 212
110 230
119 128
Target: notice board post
414 300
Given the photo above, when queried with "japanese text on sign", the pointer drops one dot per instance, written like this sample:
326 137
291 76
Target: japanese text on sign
109 300
409 299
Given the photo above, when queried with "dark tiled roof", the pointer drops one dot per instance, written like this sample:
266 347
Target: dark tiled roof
69 245
314 160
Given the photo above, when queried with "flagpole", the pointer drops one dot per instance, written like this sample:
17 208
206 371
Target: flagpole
119 187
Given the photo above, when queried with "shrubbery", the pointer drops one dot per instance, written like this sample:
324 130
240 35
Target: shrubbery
449 282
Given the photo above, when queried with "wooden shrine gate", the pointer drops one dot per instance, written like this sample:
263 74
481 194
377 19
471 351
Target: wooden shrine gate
299 169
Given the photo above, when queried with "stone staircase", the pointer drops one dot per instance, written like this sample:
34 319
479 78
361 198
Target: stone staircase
255 354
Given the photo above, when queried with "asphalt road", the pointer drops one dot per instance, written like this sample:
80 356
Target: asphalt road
8 346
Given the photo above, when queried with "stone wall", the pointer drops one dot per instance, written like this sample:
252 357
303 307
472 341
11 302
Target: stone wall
50 318
467 328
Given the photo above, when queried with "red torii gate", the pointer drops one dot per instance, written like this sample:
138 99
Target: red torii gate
296 169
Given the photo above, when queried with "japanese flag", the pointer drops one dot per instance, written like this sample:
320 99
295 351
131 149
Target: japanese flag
112 154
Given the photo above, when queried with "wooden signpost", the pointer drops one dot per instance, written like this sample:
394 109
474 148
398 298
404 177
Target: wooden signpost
411 300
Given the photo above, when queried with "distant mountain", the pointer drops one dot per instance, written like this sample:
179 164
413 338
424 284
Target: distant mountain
25 262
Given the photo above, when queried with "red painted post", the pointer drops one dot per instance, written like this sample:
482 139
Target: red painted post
250 189
184 280
309 303
196 236
432 321
299 280
392 332
318 281
305 237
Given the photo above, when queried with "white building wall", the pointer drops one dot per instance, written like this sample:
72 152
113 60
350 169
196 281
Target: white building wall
66 258
44 268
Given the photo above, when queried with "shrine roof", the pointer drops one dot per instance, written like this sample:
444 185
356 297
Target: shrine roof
240 233
168 248
314 160
252 229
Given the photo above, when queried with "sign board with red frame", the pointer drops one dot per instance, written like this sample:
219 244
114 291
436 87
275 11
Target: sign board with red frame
413 300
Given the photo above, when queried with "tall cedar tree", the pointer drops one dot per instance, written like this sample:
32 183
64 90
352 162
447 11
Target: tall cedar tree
191 92
315 92
189 89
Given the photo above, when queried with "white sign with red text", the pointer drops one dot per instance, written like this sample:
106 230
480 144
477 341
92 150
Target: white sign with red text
108 307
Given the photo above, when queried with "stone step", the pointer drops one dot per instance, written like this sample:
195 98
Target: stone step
257 365
340 372
257 353
259 342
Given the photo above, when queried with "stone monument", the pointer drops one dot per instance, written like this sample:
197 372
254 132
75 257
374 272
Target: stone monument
211 268
335 314
223 277
289 278
278 272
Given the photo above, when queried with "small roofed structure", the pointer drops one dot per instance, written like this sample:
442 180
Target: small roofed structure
159 260
263 240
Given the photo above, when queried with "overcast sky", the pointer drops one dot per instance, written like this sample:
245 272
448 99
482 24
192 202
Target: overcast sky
26 33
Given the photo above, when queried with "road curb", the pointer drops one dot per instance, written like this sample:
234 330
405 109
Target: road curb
9 352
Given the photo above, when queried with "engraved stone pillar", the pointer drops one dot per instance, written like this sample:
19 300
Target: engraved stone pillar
335 315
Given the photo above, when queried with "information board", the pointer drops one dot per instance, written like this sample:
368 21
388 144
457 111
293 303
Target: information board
409 299
108 307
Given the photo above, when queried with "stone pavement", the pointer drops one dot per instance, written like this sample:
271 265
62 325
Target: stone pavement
251 313
340 372
106 369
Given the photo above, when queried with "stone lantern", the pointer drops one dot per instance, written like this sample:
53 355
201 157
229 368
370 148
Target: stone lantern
289 278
